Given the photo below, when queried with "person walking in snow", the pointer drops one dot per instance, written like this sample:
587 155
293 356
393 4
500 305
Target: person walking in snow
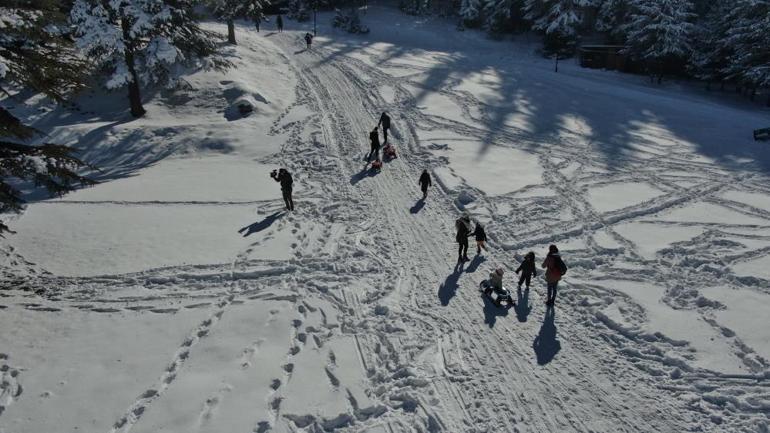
284 178
424 182
481 238
308 39
374 138
554 269
463 226
527 269
385 122
279 23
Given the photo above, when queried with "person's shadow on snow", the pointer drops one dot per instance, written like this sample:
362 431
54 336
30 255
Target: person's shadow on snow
475 263
417 206
261 225
300 51
546 344
449 287
522 305
364 173
492 311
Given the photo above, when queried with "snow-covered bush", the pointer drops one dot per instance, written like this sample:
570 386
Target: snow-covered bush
299 10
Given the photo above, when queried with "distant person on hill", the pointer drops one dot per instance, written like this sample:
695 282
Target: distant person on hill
385 122
527 269
284 178
308 39
554 269
257 22
374 139
463 226
481 238
279 23
424 182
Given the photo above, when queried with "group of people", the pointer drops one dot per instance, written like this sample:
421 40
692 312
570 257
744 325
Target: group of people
554 266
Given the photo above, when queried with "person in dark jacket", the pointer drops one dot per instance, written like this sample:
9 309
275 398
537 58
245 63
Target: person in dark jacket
527 269
481 238
308 40
554 269
424 182
463 226
284 178
385 122
374 138
279 22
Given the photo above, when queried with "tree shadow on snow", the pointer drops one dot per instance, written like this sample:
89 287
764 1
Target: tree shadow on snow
261 225
492 312
546 344
475 263
417 206
449 287
522 305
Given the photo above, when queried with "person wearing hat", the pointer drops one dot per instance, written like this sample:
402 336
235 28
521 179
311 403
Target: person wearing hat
496 279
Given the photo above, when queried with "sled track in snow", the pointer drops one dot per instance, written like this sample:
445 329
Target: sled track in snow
498 401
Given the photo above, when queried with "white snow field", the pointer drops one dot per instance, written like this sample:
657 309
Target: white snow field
178 296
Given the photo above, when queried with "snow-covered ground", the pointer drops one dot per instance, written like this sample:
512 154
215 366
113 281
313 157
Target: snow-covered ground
178 296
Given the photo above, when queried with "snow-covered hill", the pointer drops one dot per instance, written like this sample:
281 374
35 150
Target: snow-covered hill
177 295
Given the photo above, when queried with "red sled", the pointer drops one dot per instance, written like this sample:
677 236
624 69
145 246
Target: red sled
377 164
389 151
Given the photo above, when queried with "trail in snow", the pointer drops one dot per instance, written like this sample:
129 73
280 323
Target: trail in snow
368 326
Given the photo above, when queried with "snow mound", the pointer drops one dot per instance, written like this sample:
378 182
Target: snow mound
242 99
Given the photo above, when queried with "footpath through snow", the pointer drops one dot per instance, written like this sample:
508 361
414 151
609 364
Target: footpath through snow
158 300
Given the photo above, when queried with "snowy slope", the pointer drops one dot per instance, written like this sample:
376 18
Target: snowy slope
177 296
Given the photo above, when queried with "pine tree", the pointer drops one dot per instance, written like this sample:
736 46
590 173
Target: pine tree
660 33
749 37
299 10
711 51
612 18
470 12
497 13
559 20
142 41
35 54
230 10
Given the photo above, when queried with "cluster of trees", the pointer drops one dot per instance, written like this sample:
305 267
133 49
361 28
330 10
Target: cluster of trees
55 47
714 40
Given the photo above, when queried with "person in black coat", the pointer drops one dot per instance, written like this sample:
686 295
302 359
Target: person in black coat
424 182
527 269
284 178
481 238
463 226
374 138
385 122
279 22
308 40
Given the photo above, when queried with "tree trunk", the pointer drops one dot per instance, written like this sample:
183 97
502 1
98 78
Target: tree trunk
722 85
134 93
231 32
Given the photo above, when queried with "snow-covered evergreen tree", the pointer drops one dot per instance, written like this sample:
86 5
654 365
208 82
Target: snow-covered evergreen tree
496 14
142 41
230 10
470 12
711 51
612 18
660 32
749 37
559 20
35 54
299 10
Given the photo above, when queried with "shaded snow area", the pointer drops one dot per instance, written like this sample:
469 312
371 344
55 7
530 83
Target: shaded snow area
178 296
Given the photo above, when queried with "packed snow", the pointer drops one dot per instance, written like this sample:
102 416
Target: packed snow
179 295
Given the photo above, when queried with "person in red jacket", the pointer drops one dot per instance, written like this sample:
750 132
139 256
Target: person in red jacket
554 269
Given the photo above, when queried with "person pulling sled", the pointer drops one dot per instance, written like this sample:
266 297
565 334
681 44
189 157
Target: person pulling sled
385 122
374 142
